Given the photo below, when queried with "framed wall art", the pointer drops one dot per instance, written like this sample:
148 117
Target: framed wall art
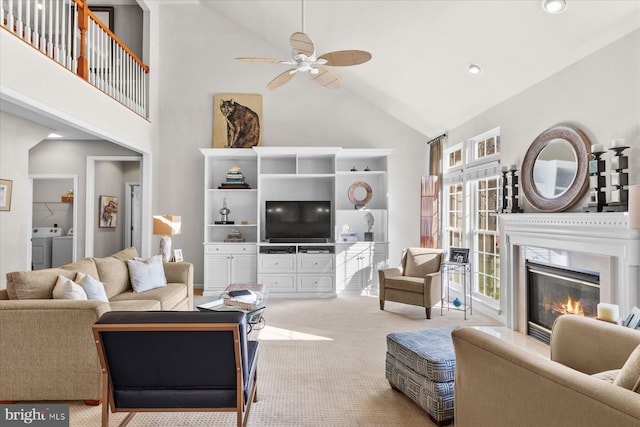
237 120
6 186
108 212
105 14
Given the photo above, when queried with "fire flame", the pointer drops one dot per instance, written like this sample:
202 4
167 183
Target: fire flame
570 307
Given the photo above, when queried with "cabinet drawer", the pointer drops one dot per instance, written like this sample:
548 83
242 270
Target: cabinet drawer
315 263
312 283
230 249
277 263
274 283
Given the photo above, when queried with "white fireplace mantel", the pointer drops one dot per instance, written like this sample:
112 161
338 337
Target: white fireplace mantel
606 235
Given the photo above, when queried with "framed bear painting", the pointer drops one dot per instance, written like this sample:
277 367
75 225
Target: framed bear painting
237 120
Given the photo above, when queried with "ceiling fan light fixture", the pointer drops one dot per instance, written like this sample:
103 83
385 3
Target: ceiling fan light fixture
474 69
554 6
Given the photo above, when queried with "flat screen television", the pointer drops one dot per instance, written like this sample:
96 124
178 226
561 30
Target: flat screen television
297 221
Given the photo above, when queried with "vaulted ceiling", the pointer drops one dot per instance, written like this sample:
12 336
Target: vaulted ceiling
421 49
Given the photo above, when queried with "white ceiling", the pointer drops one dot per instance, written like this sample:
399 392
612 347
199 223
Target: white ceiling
421 49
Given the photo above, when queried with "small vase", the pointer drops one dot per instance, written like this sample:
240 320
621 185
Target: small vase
457 302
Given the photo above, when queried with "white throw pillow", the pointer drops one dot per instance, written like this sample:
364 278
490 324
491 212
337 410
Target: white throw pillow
68 289
146 274
92 287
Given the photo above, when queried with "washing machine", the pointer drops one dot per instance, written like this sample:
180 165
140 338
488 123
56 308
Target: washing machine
62 249
41 241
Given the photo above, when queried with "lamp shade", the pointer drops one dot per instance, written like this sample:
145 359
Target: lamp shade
634 207
167 225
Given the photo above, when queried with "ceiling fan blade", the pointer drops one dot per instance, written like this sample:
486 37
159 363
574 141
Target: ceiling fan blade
302 43
342 58
282 78
262 60
326 79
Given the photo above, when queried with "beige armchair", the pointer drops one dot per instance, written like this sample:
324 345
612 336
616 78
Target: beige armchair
416 281
501 384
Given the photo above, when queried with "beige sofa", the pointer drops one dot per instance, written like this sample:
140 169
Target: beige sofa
498 384
47 350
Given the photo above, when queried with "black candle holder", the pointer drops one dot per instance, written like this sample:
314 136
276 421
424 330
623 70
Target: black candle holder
510 189
597 183
619 182
505 190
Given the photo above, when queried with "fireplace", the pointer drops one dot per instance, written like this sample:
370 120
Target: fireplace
554 291
597 242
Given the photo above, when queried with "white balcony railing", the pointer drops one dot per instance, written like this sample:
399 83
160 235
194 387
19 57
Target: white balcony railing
68 33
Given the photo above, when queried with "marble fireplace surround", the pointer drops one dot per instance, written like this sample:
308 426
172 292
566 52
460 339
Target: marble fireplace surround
598 242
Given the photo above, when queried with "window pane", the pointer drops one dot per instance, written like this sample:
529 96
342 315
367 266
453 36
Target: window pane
480 149
491 146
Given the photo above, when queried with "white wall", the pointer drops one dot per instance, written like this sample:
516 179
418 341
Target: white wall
127 23
196 64
599 94
17 136
70 157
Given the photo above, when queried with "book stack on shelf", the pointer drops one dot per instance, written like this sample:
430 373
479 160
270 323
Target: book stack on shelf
234 236
235 180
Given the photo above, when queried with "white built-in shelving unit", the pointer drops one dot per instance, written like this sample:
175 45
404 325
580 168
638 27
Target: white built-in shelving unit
295 173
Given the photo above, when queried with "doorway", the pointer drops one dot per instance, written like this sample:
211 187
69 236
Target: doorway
53 220
133 216
109 176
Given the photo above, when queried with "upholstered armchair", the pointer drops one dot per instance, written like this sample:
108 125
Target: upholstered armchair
416 281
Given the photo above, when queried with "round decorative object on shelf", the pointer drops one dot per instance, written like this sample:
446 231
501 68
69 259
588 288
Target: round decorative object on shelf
360 194
457 302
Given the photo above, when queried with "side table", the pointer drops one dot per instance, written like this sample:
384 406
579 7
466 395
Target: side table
463 270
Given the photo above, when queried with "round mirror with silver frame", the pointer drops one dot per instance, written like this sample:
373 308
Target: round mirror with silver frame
554 172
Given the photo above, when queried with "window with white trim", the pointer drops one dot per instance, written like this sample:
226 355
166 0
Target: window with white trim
472 194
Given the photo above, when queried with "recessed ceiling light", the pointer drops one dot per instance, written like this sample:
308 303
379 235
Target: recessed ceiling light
54 135
475 69
554 6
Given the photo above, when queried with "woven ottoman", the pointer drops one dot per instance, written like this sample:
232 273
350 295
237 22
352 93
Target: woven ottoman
421 365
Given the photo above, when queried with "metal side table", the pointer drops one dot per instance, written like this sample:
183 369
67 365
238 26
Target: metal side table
462 270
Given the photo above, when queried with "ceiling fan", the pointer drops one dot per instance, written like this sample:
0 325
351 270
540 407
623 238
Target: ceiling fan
303 58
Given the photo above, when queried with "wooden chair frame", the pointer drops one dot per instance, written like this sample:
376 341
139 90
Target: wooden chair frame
108 401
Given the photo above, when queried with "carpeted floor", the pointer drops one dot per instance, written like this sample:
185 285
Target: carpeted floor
321 363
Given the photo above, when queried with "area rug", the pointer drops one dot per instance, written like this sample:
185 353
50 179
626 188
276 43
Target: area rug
321 363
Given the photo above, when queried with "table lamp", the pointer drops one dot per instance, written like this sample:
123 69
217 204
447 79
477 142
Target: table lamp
166 226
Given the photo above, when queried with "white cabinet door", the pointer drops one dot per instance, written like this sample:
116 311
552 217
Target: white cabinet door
216 273
226 264
379 259
243 268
